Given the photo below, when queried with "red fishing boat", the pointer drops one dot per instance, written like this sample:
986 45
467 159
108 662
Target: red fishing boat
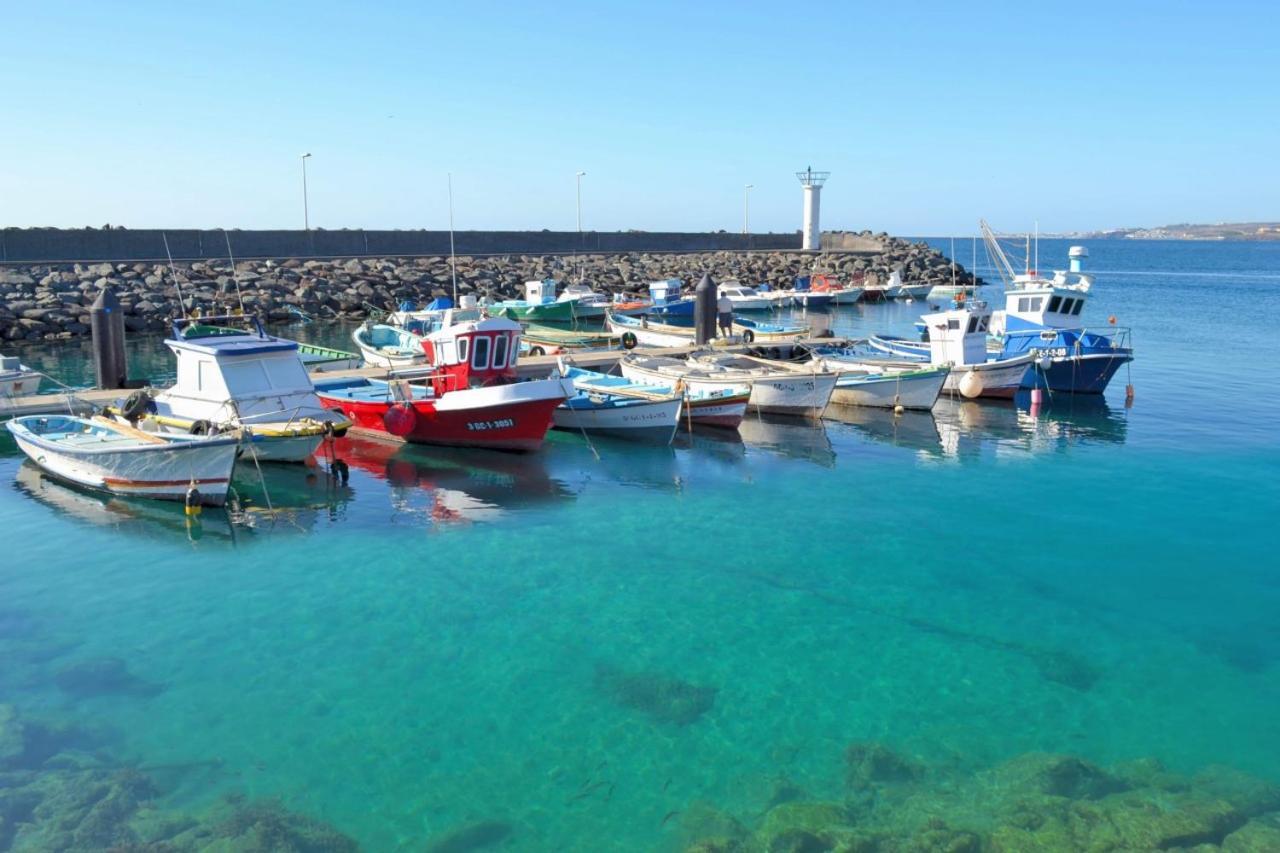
469 398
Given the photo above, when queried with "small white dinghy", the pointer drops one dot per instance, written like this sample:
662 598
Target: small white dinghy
112 457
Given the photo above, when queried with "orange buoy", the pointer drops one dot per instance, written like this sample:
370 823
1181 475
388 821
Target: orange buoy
1112 319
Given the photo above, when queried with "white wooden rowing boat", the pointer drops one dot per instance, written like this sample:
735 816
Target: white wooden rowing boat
111 457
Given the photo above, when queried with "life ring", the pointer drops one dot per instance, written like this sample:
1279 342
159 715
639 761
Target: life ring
136 405
629 340
748 336
202 427
400 420
819 282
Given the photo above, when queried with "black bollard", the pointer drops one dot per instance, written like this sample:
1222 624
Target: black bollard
106 322
704 311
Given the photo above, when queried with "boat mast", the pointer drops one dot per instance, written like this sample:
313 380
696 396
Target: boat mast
234 276
1037 266
453 259
173 272
997 253
953 263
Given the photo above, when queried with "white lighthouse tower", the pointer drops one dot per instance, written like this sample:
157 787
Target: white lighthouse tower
812 182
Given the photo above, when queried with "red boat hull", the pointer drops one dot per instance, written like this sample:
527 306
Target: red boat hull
515 425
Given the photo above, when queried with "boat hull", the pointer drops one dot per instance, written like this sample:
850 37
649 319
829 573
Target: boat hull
1081 374
813 300
724 412
912 390
164 474
502 417
802 395
998 380
636 420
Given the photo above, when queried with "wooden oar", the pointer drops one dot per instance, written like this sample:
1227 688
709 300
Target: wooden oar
125 429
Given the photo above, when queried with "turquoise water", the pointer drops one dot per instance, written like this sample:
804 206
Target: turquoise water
580 647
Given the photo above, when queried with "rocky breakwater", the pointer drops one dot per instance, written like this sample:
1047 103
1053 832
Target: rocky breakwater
41 302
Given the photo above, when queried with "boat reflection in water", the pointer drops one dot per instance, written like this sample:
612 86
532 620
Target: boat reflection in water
581 460
140 517
968 428
447 485
791 437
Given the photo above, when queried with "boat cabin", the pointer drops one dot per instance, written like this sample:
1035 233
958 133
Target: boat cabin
664 292
539 292
473 354
1034 302
959 336
734 290
232 360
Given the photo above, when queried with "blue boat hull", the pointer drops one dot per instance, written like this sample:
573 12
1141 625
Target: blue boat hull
1086 374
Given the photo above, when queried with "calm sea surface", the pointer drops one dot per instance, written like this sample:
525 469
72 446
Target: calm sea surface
579 647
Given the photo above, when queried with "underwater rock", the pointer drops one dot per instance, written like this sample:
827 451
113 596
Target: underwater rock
711 829
870 763
665 699
474 836
1066 669
103 677
1256 836
260 826
1249 794
13 737
1055 775
806 827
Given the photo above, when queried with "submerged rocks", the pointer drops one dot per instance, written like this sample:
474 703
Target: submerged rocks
661 697
1033 802
103 676
475 836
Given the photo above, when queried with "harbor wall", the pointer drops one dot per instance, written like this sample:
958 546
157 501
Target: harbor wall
47 245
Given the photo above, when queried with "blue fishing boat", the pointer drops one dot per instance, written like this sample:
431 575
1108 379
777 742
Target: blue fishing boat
1042 319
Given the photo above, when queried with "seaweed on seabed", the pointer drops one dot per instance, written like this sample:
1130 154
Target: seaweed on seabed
662 697
266 826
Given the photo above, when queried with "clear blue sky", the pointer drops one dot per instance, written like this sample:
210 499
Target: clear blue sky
927 115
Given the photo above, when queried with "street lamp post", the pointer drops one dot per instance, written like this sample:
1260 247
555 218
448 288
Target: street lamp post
580 174
306 215
746 208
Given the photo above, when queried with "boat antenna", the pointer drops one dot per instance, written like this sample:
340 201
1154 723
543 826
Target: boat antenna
996 253
953 263
1037 266
234 275
173 272
973 271
453 259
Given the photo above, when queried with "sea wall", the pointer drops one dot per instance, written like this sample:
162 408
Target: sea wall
36 245
50 301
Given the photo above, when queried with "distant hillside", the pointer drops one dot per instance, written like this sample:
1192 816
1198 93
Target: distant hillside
1186 231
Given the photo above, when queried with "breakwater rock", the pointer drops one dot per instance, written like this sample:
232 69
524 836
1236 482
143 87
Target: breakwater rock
51 301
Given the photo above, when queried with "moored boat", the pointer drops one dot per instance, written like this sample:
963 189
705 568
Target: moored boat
318 359
233 375
587 302
540 303
16 378
882 383
466 396
841 294
614 406
108 456
744 298
718 407
771 390
678 331
391 347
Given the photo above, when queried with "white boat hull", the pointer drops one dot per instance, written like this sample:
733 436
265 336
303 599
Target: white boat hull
165 474
804 395
754 304
377 358
654 420
913 390
998 379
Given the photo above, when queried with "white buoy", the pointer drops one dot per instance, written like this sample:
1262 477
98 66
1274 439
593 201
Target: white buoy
971 385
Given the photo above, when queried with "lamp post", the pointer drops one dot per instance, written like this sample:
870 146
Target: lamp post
580 174
306 215
746 208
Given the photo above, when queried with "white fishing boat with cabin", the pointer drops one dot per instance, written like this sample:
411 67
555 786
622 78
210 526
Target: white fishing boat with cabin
16 378
232 375
744 298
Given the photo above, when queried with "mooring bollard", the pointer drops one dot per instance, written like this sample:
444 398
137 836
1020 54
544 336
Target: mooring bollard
106 323
704 311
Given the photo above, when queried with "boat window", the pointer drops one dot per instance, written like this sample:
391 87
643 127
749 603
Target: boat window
1079 305
1055 303
973 325
245 378
1036 302
953 323
1066 305
515 349
1024 304
480 353
500 351
462 350
982 322
286 373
